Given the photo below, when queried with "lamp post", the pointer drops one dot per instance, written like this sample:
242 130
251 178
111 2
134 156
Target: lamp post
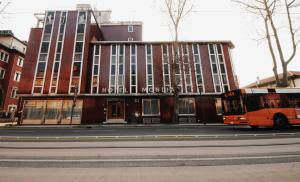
74 102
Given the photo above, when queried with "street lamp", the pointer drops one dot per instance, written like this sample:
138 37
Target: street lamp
74 102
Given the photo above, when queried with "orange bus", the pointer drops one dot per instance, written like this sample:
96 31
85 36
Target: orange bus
262 107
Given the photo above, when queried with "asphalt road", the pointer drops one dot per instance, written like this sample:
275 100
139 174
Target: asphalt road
222 160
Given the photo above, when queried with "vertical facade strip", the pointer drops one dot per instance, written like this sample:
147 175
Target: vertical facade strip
58 53
78 52
133 69
166 68
43 56
177 71
96 69
121 69
186 68
218 68
149 69
198 69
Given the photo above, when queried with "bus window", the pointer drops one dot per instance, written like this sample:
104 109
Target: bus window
255 102
233 105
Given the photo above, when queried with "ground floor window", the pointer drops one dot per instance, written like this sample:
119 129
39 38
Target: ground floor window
12 108
186 106
219 109
52 111
34 110
151 107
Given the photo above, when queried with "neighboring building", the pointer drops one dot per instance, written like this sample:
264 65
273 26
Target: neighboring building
118 79
270 82
12 52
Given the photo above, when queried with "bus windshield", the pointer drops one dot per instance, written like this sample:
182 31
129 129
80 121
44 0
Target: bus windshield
233 105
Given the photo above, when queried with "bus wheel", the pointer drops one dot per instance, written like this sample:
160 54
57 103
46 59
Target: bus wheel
280 121
254 127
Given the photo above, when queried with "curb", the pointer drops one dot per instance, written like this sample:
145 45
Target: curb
147 137
108 126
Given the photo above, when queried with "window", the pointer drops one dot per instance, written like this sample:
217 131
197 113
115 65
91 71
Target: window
17 76
14 92
2 73
4 56
12 107
20 61
218 102
130 28
186 106
151 107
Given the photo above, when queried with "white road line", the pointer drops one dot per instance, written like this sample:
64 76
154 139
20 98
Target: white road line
149 160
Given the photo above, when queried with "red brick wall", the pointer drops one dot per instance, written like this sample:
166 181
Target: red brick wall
120 32
30 61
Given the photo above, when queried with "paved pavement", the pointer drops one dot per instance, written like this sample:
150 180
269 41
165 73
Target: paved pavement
283 172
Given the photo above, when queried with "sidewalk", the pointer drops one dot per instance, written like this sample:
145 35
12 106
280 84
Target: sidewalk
9 124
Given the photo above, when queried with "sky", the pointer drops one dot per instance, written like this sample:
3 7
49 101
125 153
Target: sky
209 20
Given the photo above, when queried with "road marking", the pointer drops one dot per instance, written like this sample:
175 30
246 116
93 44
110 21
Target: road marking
150 160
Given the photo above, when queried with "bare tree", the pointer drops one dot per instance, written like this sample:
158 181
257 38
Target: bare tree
269 11
177 10
3 6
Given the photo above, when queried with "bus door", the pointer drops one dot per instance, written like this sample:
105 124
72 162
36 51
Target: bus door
297 109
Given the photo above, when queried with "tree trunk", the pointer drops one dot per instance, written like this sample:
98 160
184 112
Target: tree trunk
284 80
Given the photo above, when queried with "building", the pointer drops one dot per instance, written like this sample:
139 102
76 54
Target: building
113 76
12 52
270 82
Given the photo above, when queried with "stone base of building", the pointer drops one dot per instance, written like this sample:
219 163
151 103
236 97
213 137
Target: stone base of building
55 110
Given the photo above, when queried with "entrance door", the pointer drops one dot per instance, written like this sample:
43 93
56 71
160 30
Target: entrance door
115 110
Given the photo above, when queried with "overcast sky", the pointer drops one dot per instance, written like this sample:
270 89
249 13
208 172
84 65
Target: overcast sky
210 20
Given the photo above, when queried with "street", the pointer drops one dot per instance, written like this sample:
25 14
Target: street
174 153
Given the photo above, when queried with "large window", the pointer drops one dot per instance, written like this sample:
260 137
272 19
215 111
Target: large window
151 107
34 110
51 112
218 103
186 106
